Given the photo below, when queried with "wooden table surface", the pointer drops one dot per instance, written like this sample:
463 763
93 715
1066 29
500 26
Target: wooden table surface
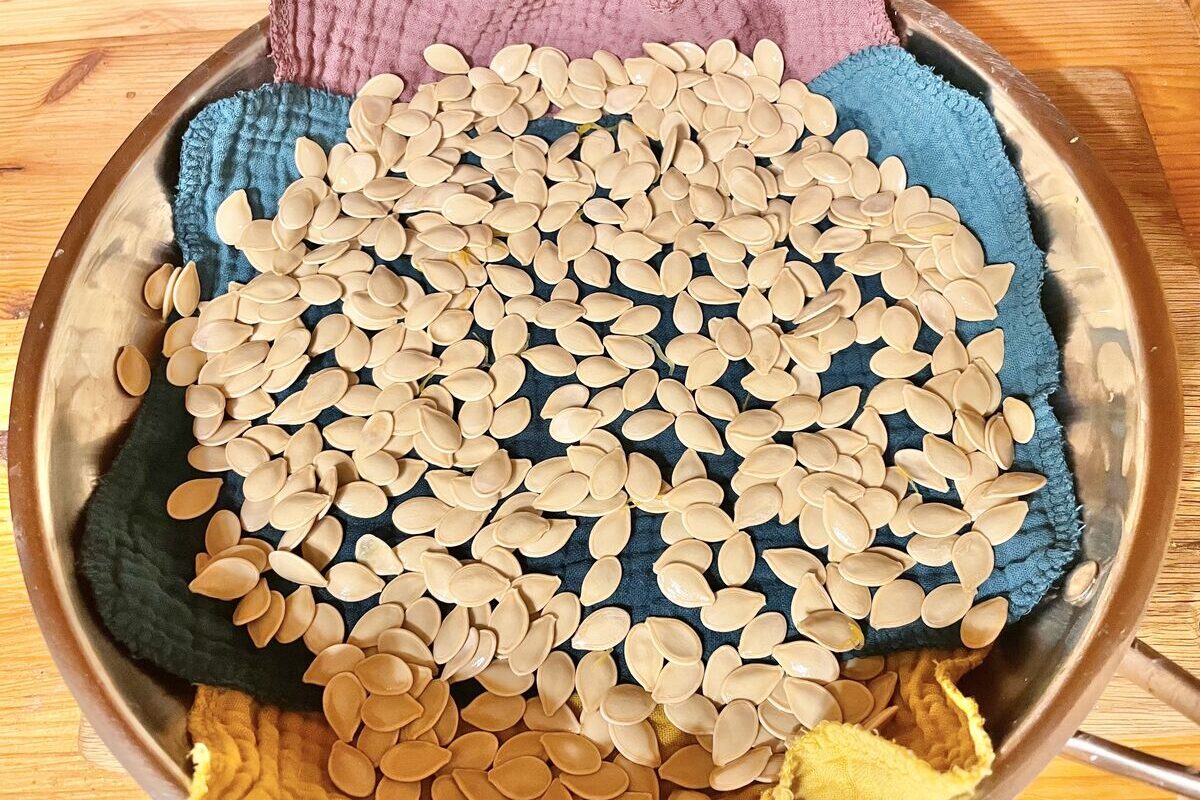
76 77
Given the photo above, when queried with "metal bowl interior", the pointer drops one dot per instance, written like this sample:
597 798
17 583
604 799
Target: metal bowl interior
1120 404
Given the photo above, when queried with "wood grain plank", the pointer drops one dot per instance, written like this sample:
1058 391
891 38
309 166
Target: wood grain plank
11 331
31 21
1156 44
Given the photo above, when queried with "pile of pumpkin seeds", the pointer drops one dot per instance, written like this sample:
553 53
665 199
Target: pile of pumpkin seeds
703 171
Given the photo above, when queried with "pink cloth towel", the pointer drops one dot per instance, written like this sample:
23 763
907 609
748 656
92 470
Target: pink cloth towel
338 44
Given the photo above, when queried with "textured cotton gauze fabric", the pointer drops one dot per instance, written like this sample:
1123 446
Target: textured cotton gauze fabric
137 560
939 749
140 562
338 44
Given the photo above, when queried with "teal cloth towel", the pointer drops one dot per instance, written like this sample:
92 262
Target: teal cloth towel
139 562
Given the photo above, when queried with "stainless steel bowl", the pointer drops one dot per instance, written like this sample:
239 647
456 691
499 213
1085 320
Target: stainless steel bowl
1120 403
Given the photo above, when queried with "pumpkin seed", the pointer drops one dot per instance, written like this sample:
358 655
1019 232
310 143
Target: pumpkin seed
638 743
646 424
808 660
685 586
973 559
698 433
831 629
734 732
133 372
625 704
193 498
854 699
675 640
571 753
735 560
292 567
1081 582
226 579
696 715
791 564
601 629
983 622
731 609
896 604
350 770
845 524
810 702
492 712
927 410
945 605
937 519
601 581
607 782
1014 484
870 569
232 217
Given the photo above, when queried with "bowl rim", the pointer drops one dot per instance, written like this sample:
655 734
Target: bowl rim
105 708
1068 698
1031 744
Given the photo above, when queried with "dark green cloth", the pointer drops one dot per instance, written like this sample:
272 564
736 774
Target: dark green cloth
137 560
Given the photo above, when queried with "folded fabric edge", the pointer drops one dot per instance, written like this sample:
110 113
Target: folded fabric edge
836 761
1062 506
100 561
982 125
188 206
280 36
308 62
120 588
245 748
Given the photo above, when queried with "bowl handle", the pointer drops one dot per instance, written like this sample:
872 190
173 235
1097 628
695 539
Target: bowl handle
1173 685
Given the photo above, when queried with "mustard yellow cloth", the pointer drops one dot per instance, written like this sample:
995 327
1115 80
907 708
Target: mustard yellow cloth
937 748
246 750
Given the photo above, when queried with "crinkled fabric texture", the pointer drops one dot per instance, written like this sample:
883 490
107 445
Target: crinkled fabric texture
936 748
139 561
245 749
338 44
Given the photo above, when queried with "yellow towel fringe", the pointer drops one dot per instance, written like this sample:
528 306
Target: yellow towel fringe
939 749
